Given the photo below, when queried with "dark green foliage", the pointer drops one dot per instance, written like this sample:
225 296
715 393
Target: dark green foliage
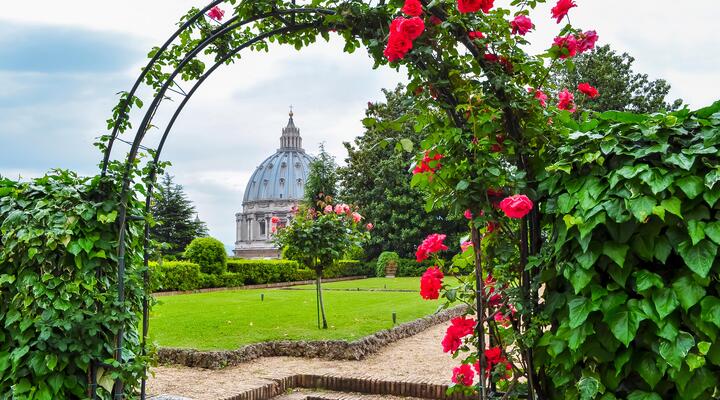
209 253
632 290
347 268
410 267
322 179
175 275
620 88
58 234
176 221
385 258
377 177
264 271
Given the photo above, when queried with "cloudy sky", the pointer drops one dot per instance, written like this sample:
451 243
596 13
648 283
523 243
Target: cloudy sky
61 64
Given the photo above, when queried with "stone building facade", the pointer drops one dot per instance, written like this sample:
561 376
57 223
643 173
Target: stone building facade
274 188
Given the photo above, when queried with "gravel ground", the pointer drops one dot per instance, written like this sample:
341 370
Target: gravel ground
417 357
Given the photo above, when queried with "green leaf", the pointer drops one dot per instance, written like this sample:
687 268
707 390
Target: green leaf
681 160
665 301
588 258
688 291
696 230
694 361
588 387
674 352
580 308
624 324
662 248
691 185
616 252
710 310
407 145
649 371
704 347
698 258
641 395
712 230
580 278
672 205
641 207
645 280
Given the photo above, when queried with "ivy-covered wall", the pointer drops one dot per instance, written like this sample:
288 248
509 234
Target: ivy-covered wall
59 289
632 267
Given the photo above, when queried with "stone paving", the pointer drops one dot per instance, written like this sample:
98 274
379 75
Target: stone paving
419 357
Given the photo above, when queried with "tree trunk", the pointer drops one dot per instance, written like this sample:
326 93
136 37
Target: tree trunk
320 299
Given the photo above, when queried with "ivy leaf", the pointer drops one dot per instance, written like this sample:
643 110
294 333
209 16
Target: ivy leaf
641 207
672 205
704 347
710 310
698 258
580 278
662 248
641 395
624 324
711 196
688 291
645 280
665 301
407 145
588 387
712 230
616 252
691 185
649 371
674 352
681 160
694 361
696 230
580 308
462 185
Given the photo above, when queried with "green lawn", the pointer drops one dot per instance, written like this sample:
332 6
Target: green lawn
229 319
412 283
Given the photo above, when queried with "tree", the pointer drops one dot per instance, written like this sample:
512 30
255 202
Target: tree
621 88
377 177
209 253
322 179
317 238
176 220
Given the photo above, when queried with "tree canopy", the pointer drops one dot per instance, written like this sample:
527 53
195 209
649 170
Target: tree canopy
177 222
322 179
377 179
620 87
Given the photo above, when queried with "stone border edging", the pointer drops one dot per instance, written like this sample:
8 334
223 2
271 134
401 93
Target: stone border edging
260 286
327 349
365 385
358 290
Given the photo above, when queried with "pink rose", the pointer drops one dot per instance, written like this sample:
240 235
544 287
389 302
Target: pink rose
328 209
516 206
356 217
521 25
566 101
216 13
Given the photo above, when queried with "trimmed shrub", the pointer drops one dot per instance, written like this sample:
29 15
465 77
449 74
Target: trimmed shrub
346 268
264 271
209 254
410 267
175 275
305 274
385 258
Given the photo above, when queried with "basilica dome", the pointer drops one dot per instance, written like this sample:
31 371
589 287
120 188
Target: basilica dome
282 175
275 187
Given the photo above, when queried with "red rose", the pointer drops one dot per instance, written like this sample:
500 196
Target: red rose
430 283
493 357
516 206
432 244
458 329
463 375
566 101
561 9
398 45
435 20
468 214
275 220
539 96
411 27
586 41
475 35
568 46
216 13
521 24
588 90
471 6
490 57
412 8
425 166
496 148
491 226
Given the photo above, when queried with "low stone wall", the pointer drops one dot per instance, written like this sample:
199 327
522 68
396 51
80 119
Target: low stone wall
327 349
261 286
366 385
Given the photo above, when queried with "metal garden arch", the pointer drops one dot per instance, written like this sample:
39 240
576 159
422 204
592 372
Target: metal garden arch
287 19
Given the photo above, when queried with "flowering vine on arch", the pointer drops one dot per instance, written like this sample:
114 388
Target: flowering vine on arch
484 104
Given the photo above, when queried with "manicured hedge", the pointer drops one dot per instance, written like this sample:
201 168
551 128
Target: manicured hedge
185 275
